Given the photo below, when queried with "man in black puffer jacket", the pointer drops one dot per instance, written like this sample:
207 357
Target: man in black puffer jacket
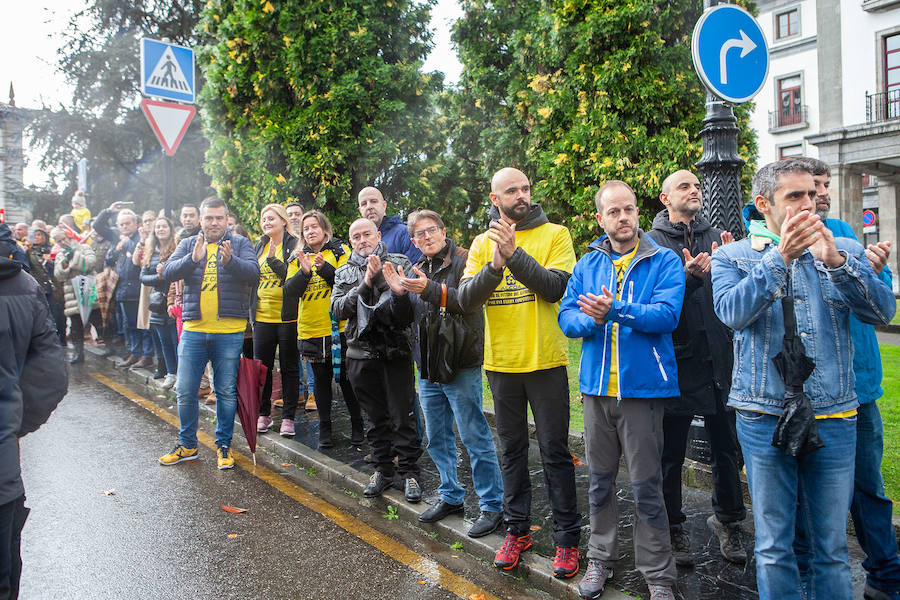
703 350
368 292
33 379
459 399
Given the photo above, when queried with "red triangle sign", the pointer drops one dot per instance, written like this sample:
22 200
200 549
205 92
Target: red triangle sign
169 121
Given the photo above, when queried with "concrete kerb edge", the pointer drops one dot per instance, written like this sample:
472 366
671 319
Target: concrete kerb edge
535 570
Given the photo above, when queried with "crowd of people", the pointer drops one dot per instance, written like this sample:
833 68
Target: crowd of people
675 322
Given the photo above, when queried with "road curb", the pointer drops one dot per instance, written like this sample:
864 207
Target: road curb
532 569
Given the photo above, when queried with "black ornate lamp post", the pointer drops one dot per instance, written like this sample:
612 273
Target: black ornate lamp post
720 167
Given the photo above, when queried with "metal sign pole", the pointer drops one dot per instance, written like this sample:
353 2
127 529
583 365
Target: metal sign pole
720 168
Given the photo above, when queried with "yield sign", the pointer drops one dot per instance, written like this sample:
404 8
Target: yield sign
169 121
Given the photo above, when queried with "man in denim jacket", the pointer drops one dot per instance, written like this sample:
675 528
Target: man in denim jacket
792 253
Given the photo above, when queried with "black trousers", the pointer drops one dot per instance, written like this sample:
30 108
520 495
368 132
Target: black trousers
727 499
323 373
78 326
547 391
266 337
12 519
386 391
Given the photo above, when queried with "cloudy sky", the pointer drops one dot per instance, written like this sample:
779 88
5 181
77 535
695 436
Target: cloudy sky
29 41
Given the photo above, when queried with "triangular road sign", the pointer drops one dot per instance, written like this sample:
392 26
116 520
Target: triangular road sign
169 121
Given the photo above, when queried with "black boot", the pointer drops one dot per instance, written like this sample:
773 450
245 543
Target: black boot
161 371
325 435
78 357
357 433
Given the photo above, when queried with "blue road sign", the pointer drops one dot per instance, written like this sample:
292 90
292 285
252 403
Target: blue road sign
868 218
167 70
730 53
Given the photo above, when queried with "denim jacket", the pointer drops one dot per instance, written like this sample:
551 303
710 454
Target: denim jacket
748 286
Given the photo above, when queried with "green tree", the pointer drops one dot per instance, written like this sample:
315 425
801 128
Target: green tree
103 121
314 100
575 92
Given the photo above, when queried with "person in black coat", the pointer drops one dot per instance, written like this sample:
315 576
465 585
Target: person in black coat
703 350
159 246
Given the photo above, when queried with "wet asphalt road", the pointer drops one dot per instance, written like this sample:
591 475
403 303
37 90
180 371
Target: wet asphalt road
163 533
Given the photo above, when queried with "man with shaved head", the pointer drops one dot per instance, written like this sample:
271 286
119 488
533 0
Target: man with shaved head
704 353
393 230
518 270
368 292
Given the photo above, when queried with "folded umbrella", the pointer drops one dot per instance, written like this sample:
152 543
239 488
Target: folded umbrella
251 379
796 431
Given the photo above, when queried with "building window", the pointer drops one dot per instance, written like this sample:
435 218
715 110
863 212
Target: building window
892 75
790 102
790 151
787 24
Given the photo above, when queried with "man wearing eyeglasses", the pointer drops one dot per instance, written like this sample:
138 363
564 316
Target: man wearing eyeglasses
518 269
369 294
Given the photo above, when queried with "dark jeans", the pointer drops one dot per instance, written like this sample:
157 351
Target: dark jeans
167 337
12 519
137 341
323 374
266 336
727 496
385 390
547 391
78 326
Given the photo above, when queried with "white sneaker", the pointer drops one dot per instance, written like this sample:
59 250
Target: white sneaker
169 381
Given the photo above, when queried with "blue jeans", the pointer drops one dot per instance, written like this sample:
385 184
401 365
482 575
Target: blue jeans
167 335
822 483
461 400
223 350
309 383
137 341
871 509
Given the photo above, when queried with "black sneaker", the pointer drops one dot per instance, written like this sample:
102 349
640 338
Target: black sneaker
412 492
681 546
487 523
377 484
729 535
439 511
594 581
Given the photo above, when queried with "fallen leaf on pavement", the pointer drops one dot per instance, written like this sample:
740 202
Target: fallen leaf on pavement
233 509
534 527
420 582
577 461
108 492
477 597
232 535
285 464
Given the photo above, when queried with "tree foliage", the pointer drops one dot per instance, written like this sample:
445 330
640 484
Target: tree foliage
315 100
103 121
575 92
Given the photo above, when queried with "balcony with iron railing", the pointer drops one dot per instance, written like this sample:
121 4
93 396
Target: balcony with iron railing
782 120
884 106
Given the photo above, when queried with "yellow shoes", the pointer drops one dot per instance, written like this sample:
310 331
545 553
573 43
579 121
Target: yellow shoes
226 458
179 454
311 402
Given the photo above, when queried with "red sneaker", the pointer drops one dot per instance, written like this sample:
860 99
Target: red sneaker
565 563
507 556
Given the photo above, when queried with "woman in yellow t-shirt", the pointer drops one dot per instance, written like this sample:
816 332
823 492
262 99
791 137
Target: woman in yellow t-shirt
274 316
316 263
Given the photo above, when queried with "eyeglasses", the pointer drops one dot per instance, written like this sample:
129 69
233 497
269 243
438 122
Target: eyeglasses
427 231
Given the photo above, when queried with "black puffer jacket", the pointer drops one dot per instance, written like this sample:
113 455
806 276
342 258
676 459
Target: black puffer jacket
151 279
279 266
33 375
379 323
703 345
447 267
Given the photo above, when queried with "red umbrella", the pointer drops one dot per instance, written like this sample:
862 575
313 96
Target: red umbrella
251 379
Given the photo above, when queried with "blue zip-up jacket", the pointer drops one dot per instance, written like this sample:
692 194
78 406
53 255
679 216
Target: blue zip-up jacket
866 354
235 279
748 286
395 236
647 314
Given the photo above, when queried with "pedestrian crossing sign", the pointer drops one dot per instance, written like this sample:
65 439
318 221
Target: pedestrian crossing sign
167 70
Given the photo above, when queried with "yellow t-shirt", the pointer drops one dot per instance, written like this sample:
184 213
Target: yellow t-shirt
80 215
209 321
621 266
521 331
270 292
316 301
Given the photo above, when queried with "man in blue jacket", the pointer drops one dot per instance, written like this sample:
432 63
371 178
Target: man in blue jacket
219 270
871 509
792 254
394 234
624 298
